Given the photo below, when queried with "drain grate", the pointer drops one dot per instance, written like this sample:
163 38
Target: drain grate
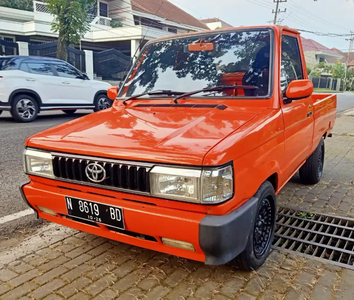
326 237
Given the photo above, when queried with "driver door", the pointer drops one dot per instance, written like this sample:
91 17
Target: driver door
297 114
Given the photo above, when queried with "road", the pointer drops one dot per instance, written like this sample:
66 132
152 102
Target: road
12 139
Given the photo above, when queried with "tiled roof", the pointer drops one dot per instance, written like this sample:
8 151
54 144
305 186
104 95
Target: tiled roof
167 10
214 20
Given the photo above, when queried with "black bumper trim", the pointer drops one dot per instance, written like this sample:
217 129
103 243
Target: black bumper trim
222 238
25 199
5 106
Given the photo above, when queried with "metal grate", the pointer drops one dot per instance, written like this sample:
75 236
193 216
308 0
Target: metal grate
326 237
119 175
41 7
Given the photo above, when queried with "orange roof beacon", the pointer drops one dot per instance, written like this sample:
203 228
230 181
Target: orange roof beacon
205 131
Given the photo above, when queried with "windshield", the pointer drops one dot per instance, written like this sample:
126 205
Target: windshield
230 58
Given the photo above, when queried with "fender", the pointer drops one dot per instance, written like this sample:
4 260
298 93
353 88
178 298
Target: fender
99 92
25 91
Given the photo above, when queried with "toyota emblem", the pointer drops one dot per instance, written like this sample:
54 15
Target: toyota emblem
95 172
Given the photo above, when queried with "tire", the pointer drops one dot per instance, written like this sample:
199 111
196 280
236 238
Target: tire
24 108
69 112
311 172
255 254
102 102
0 112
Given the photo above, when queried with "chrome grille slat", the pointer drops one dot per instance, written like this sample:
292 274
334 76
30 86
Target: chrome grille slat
127 176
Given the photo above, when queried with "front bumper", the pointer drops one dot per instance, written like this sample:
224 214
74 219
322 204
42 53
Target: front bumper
5 106
216 239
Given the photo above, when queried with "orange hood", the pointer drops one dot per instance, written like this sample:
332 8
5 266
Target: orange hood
176 135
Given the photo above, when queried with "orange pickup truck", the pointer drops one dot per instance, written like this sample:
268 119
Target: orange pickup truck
205 131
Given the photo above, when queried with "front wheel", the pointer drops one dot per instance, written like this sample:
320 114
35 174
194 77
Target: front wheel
311 172
24 109
102 102
0 112
262 233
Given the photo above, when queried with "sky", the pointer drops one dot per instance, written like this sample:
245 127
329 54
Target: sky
324 16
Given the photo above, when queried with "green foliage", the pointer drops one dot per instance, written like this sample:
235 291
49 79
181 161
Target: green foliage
338 70
18 4
70 18
116 23
308 70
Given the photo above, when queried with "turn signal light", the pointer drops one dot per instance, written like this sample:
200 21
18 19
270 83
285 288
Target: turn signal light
178 244
112 92
47 210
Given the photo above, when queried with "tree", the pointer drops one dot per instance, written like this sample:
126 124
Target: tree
70 22
338 70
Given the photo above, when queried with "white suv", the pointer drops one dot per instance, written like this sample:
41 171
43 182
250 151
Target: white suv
30 84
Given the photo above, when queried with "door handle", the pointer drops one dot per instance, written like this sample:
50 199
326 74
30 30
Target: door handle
309 114
30 79
66 82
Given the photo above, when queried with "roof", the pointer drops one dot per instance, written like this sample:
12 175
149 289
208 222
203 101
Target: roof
311 45
214 20
167 10
345 58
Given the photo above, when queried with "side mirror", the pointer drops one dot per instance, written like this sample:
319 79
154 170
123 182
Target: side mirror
112 92
298 89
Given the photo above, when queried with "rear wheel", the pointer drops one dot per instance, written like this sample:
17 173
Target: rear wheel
261 236
69 112
0 112
24 108
311 172
102 102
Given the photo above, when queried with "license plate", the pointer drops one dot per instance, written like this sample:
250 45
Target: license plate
96 212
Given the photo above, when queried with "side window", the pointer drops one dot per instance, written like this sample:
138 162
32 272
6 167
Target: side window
291 67
40 68
67 71
24 67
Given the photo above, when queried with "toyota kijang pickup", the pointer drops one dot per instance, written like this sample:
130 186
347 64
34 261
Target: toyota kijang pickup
204 132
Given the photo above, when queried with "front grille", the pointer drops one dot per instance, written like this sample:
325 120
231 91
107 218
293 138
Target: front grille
119 175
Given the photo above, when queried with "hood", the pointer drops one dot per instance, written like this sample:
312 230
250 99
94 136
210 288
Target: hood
175 135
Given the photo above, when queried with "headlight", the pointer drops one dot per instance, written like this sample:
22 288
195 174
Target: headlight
211 185
38 163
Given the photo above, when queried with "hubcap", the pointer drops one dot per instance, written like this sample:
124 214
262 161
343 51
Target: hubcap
263 228
103 103
26 109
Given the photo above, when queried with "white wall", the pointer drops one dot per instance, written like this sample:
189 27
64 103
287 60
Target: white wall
214 25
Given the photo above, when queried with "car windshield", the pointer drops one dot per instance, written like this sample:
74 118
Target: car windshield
190 63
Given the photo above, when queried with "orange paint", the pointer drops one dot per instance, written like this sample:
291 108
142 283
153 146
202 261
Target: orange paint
262 137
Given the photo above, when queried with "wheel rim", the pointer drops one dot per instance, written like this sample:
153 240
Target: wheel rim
103 103
26 109
320 163
263 228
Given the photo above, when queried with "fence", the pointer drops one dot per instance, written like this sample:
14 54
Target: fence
326 83
75 57
8 48
110 64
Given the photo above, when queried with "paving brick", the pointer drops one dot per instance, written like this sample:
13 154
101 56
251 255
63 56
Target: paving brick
80 296
74 241
176 277
48 276
6 274
100 249
255 286
35 260
64 248
53 263
74 263
20 267
327 278
153 279
105 258
47 289
78 251
20 291
99 285
133 294
200 274
131 279
183 290
158 292
207 290
107 295
232 287
244 296
125 268
75 286
100 271
271 295
4 288
76 272
24 278
53 297
48 253
321 293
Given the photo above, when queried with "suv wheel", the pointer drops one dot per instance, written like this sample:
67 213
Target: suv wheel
0 112
102 102
261 236
24 108
69 112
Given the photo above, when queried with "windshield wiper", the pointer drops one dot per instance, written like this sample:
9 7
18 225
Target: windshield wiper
217 88
152 93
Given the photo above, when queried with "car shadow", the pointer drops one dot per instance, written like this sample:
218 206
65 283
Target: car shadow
44 118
